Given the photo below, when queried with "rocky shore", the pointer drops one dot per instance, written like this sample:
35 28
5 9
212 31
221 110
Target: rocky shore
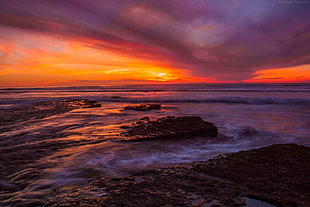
44 109
277 174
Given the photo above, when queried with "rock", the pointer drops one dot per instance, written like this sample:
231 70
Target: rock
171 127
69 104
143 107
44 109
278 175
145 118
125 127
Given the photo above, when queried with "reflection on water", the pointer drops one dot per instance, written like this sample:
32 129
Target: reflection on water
42 156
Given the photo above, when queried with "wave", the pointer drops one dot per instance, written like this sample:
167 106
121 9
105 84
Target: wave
7 104
156 90
228 100
245 90
167 87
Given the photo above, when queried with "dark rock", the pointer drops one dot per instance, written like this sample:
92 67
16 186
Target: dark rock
44 109
145 118
69 104
171 128
143 107
125 127
278 174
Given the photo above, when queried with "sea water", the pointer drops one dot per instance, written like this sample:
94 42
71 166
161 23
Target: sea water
87 140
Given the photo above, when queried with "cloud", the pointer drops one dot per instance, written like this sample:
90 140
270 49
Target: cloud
224 40
289 74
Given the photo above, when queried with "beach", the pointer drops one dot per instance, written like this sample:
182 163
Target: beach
58 139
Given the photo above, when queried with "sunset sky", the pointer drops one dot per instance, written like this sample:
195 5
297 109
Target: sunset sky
93 42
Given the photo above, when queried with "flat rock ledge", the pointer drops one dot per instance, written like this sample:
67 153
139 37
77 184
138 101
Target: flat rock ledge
277 174
142 107
170 127
67 104
44 109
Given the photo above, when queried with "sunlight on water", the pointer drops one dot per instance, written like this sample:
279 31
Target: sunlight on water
46 154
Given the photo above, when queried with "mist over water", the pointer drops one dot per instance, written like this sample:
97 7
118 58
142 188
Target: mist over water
75 147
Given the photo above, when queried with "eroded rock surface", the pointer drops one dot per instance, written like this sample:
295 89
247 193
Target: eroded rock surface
171 127
67 104
142 107
278 174
43 109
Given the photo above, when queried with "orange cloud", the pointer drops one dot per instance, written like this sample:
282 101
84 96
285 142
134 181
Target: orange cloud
70 61
290 74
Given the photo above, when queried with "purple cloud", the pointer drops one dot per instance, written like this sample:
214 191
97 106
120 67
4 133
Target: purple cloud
228 40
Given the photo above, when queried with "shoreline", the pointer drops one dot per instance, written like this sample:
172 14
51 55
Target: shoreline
43 109
277 174
215 182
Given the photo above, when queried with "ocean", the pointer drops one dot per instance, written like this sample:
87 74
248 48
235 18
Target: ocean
41 156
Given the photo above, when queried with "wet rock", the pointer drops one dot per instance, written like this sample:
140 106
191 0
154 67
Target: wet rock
125 127
170 127
143 107
44 109
145 118
68 104
278 175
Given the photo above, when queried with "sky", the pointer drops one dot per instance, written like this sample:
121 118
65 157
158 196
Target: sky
94 42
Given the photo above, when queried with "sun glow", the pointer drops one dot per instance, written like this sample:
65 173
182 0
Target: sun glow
56 61
28 59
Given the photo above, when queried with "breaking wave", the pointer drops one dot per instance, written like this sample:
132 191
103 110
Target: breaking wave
229 100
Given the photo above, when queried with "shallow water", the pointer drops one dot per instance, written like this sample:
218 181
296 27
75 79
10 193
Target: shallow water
42 156
250 202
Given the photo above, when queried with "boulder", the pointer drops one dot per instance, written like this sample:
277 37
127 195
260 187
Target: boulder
142 107
170 127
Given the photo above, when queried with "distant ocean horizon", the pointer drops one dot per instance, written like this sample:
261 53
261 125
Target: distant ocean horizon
214 92
119 84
